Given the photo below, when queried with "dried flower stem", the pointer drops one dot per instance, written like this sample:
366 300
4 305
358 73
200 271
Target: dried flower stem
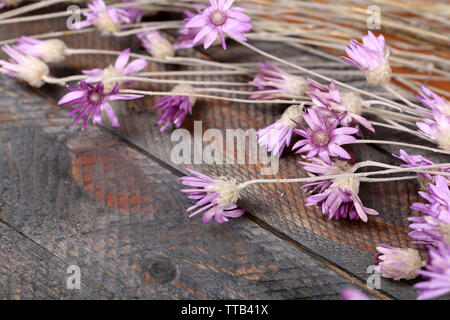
402 144
158 93
352 175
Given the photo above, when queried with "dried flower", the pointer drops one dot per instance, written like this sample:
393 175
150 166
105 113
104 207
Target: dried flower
9 3
120 69
174 108
353 294
338 198
50 51
216 195
272 82
278 135
155 44
24 67
106 19
323 139
437 129
435 225
398 263
412 161
372 57
437 271
346 106
433 101
217 19
91 101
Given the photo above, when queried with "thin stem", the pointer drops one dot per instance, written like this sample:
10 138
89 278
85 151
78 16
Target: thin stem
390 89
401 128
28 8
402 144
424 169
153 80
158 93
63 81
387 179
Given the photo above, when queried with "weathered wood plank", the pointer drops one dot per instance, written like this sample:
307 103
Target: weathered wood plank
86 198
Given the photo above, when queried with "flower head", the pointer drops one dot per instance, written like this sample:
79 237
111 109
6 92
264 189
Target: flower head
346 106
155 44
217 20
353 294
434 226
216 195
106 19
412 161
187 35
9 3
24 67
372 57
437 271
278 135
437 129
323 139
273 82
50 51
433 101
398 263
90 100
338 197
174 108
120 69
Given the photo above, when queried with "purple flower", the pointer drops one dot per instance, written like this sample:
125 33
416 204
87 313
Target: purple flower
155 44
437 271
187 35
120 69
353 294
433 101
91 100
278 135
217 19
437 129
50 51
272 82
323 139
216 195
398 263
338 198
372 57
174 108
24 67
106 19
412 161
435 225
346 106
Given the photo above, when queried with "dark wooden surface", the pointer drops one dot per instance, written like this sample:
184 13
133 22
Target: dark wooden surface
109 202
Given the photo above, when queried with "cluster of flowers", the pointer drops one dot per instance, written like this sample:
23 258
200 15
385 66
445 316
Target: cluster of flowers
333 119
28 60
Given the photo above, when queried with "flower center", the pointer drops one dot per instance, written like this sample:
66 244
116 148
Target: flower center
218 17
321 138
95 97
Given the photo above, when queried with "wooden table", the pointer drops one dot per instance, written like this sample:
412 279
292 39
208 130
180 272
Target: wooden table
108 201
